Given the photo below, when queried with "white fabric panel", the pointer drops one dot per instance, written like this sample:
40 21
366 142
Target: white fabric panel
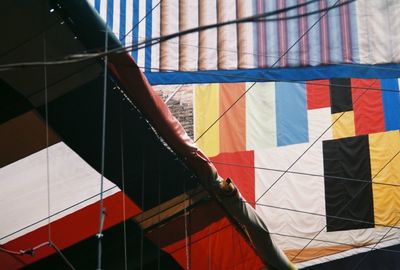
91 2
227 35
169 24
103 9
208 56
116 18
23 189
294 191
188 44
377 33
319 121
260 116
142 32
128 25
156 20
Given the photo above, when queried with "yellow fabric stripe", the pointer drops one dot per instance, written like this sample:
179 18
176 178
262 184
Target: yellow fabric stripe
383 147
206 111
344 127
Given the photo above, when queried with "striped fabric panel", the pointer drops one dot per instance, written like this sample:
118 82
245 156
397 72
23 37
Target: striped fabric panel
156 32
208 40
261 36
227 35
333 39
346 35
148 34
314 50
169 50
303 43
334 31
271 31
324 34
188 18
141 35
282 35
293 35
245 43
376 27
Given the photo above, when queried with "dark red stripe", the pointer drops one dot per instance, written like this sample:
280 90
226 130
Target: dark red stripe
261 36
324 34
346 39
304 40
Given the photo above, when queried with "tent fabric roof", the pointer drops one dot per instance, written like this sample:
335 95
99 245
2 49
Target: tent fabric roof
155 174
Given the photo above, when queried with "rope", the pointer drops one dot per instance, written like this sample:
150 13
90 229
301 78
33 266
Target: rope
102 210
46 106
123 186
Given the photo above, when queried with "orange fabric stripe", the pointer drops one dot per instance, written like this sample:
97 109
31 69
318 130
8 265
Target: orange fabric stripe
314 253
232 127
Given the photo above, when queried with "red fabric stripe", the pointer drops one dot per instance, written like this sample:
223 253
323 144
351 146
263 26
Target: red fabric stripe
318 95
261 36
367 106
346 40
242 172
324 34
304 40
232 127
67 230
218 246
282 35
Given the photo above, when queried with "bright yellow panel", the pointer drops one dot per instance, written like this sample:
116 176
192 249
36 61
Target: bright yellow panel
206 111
385 168
343 125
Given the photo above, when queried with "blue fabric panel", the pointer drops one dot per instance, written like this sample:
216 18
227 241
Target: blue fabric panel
122 21
291 113
277 74
149 27
135 27
97 5
391 103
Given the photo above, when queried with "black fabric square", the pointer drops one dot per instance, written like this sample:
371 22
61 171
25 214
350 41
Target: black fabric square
348 200
341 98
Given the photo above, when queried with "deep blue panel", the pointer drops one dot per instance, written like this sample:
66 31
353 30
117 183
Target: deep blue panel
391 103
